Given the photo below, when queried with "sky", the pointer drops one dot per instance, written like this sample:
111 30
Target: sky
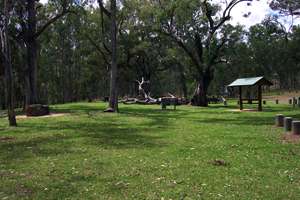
259 10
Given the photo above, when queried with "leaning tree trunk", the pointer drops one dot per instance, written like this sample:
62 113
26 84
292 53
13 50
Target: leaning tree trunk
6 61
200 94
113 100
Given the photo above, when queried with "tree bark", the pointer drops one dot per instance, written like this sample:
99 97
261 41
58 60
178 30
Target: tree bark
183 81
31 55
6 62
113 100
200 94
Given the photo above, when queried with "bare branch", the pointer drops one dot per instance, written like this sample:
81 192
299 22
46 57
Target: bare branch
103 9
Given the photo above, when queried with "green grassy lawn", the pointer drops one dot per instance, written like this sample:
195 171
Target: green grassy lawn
146 153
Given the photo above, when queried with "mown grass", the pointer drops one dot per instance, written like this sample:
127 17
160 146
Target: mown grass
146 153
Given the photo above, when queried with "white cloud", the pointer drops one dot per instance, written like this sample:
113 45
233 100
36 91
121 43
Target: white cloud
259 11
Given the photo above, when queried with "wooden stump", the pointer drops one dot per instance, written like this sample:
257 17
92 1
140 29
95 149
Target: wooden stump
296 127
277 101
36 110
288 123
163 106
294 102
225 103
279 120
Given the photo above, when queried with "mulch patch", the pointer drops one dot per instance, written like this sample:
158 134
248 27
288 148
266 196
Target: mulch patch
4 139
44 116
290 138
244 110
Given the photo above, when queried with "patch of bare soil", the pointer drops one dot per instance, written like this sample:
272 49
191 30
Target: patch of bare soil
290 138
4 139
45 116
218 162
245 110
283 98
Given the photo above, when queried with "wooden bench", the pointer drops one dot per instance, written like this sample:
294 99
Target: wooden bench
168 101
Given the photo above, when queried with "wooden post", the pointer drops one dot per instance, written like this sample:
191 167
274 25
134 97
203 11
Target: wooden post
288 123
259 98
294 102
241 98
296 127
279 120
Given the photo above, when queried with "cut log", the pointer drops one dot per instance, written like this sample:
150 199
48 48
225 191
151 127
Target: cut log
36 110
279 120
288 123
109 110
296 127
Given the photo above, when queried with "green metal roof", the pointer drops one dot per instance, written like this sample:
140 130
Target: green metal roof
250 82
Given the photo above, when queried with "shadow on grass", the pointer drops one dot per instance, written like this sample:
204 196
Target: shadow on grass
58 137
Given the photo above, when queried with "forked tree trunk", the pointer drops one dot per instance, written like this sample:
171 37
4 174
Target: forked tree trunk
113 100
6 61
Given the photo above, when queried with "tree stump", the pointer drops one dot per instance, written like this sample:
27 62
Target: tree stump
296 127
277 101
225 103
163 106
36 110
290 101
264 102
288 123
279 120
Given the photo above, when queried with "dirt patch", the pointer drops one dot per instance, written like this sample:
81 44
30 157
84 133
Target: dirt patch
245 110
45 116
290 138
4 139
23 191
218 162
283 98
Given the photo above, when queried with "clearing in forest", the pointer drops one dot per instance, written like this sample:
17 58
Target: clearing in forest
147 153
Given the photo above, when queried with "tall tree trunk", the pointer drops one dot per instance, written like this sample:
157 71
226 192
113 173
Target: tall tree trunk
113 100
31 57
182 81
6 61
200 94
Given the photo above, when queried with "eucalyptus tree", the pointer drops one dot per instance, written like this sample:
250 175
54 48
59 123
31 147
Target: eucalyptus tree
5 59
112 15
196 27
30 25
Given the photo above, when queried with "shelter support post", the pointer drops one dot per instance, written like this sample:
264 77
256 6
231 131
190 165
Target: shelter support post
259 98
241 98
